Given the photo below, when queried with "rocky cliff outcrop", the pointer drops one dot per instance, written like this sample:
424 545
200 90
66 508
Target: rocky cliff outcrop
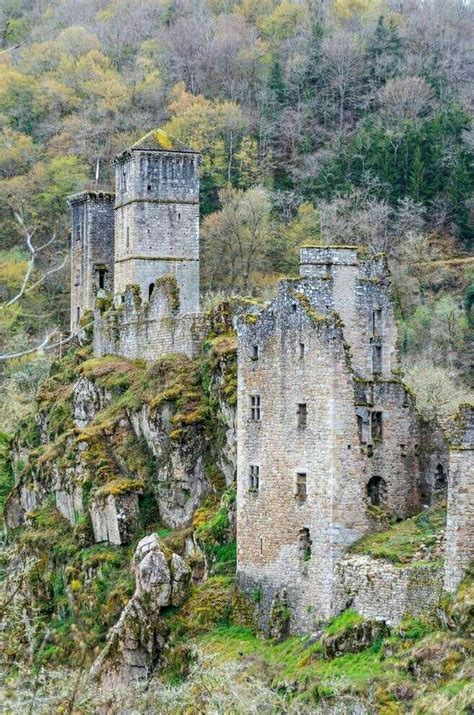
135 644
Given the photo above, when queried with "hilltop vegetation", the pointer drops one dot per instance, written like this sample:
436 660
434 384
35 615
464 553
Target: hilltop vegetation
333 121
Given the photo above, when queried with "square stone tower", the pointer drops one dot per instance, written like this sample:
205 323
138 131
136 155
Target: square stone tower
157 218
92 249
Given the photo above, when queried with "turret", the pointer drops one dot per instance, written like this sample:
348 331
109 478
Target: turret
356 287
92 249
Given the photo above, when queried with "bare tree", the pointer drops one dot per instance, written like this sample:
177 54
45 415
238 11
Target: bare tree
343 56
30 282
404 98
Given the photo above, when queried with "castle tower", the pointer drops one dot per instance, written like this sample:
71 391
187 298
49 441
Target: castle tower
359 291
92 249
157 218
460 518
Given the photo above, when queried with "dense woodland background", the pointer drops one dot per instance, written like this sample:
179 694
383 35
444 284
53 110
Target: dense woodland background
335 122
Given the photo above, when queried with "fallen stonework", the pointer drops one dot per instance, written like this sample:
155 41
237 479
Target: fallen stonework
135 644
381 591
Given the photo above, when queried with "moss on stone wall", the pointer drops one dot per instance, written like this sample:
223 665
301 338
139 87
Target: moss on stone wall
169 285
415 539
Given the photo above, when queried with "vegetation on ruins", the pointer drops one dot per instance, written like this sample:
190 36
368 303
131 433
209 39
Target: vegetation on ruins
320 122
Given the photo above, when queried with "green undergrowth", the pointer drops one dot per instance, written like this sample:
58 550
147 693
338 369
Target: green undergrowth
76 592
343 623
419 663
214 534
401 543
6 473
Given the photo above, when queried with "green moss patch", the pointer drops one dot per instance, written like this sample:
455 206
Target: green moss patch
402 542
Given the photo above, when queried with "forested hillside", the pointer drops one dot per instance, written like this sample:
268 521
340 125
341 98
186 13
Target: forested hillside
341 122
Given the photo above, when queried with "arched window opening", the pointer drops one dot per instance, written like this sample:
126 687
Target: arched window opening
151 288
440 477
377 491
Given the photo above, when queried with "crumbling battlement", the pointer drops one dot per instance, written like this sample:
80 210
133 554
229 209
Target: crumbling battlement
460 519
357 287
135 328
146 231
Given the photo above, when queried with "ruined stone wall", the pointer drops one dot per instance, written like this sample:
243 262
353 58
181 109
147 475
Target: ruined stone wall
157 222
360 451
379 590
271 553
460 518
92 250
391 445
358 289
137 329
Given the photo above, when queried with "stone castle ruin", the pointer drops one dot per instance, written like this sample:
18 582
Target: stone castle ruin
140 244
329 440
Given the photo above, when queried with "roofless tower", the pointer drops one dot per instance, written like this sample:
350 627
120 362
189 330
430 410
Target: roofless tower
157 217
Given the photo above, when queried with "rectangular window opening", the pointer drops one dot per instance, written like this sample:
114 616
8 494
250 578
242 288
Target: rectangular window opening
128 237
376 321
254 352
302 349
101 277
376 424
255 408
301 483
377 359
302 413
254 477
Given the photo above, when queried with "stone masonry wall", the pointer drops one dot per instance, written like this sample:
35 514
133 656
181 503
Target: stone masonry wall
147 330
157 222
358 289
360 451
271 521
92 249
460 518
379 590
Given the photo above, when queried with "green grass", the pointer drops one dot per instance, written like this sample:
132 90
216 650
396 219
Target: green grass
345 622
401 542
295 659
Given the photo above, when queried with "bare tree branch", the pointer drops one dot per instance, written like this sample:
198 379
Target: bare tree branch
33 251
13 47
46 345
45 275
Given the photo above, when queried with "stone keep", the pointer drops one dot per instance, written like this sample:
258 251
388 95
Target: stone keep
327 435
460 519
92 250
157 219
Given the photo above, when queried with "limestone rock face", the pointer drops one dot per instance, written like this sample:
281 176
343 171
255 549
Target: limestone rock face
114 518
135 644
88 399
180 478
355 639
